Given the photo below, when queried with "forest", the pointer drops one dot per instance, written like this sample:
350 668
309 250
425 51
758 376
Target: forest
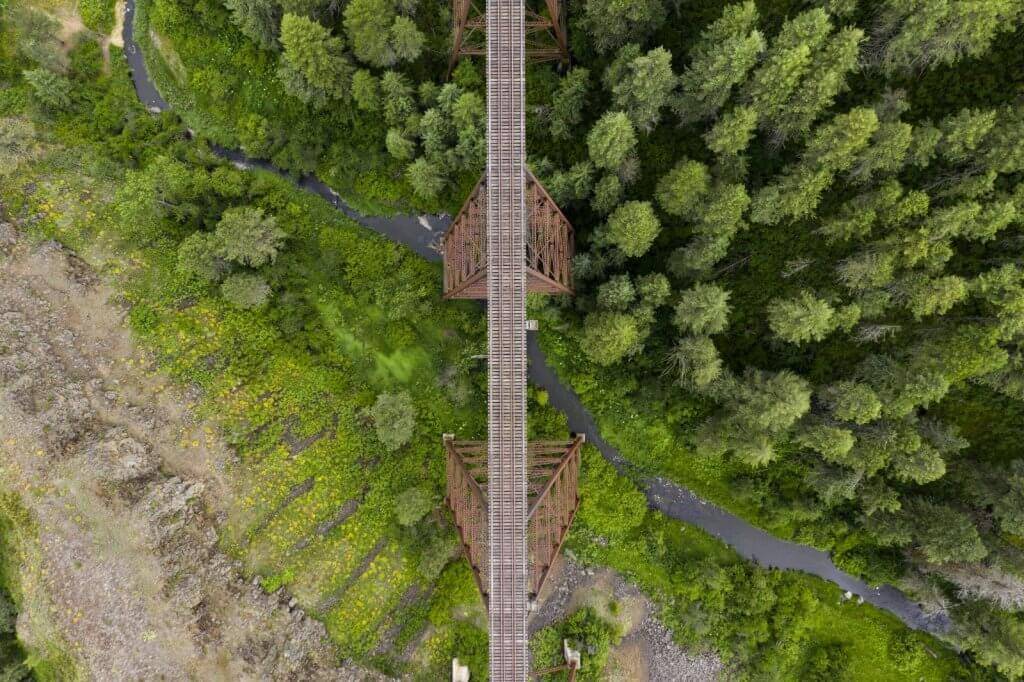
800 293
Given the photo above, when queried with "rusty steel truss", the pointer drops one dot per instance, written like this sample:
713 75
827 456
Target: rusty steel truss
549 245
545 36
552 498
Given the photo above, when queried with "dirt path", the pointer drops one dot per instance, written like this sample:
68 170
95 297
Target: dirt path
124 487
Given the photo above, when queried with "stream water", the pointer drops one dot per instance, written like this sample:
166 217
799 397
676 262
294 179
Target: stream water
420 233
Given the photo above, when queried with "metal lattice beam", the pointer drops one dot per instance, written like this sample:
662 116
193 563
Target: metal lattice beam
550 244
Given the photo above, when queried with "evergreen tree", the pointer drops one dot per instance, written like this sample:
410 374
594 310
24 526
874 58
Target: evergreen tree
245 290
611 23
568 103
681 190
607 194
616 294
1009 508
258 20
50 90
703 309
825 79
611 140
801 319
313 66
425 178
964 133
732 132
945 535
393 416
790 57
399 146
631 228
608 337
833 148
396 93
911 35
833 443
378 36
720 60
248 237
366 90
694 363
932 295
198 255
852 401
640 84
406 40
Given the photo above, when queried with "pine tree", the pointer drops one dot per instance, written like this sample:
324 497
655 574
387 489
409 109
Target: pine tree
926 296
703 309
425 178
833 443
394 419
911 35
732 132
801 319
258 20
681 190
833 148
611 140
245 290
945 535
818 88
1009 509
50 90
694 363
616 294
608 337
366 90
852 401
378 36
720 60
607 194
964 132
790 57
611 23
313 66
399 146
248 237
198 257
568 103
631 228
640 84
396 93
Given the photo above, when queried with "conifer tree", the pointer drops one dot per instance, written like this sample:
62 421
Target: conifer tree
703 309
611 23
911 35
611 140
732 132
720 60
631 228
833 148
640 84
247 236
681 190
258 20
789 58
313 66
694 363
801 318
818 88
568 103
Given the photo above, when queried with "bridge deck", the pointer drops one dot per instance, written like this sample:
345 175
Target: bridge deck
506 324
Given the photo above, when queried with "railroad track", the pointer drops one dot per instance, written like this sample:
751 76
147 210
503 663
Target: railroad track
506 325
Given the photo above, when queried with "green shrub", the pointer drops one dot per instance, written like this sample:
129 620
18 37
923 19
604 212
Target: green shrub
97 15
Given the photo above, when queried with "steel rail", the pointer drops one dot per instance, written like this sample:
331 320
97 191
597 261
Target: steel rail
506 326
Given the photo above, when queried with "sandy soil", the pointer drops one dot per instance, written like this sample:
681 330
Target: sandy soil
125 486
